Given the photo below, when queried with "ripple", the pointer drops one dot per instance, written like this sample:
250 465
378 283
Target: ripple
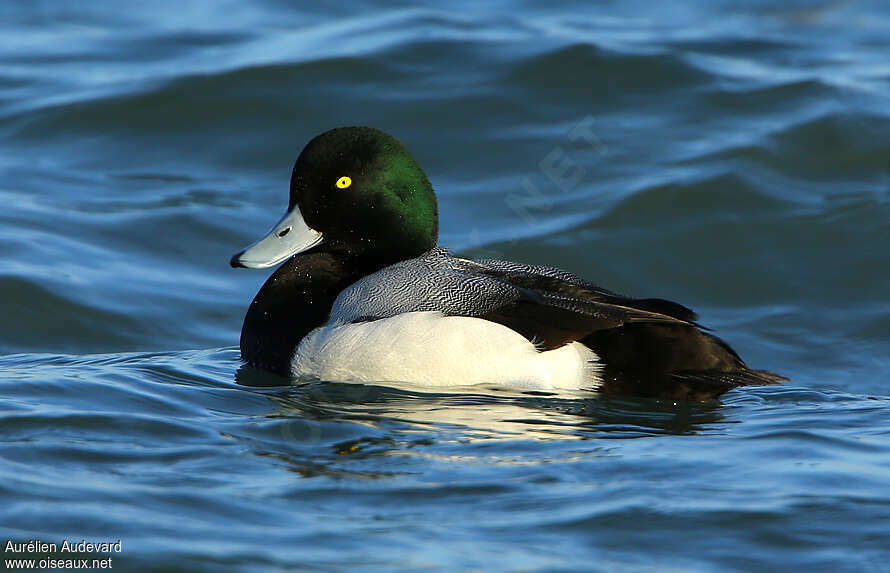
849 146
728 196
592 74
786 97
64 323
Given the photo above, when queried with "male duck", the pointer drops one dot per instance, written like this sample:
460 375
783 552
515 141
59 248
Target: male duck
364 295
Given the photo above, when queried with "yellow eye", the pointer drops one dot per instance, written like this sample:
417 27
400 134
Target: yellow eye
344 182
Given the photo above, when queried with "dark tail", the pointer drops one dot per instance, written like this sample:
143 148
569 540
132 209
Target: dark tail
675 362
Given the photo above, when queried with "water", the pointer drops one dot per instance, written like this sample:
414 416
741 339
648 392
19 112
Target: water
732 157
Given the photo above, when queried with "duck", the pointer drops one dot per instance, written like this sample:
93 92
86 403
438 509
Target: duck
362 293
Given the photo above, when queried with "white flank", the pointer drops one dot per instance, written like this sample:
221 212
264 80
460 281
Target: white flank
432 350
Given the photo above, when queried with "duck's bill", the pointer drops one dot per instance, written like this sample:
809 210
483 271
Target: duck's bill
291 235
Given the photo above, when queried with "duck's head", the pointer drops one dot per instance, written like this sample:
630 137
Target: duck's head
356 190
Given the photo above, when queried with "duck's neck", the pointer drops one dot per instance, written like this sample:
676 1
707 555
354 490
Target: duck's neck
294 300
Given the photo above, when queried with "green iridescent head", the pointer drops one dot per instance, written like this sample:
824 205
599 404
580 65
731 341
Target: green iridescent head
355 189
361 187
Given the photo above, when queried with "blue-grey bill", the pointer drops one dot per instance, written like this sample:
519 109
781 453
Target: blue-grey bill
291 235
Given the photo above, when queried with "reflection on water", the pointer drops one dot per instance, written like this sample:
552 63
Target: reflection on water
493 414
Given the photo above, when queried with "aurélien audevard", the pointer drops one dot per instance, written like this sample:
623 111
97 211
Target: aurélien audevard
82 546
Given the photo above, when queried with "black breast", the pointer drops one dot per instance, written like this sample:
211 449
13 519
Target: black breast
296 299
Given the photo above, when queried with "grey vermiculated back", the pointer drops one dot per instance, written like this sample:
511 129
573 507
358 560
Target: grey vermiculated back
435 281
543 271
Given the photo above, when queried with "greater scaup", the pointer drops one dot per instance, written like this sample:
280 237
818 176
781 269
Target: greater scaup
364 295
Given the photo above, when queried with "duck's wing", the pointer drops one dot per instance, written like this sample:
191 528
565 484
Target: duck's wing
553 319
539 277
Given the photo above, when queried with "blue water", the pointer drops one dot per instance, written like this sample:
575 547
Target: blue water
732 156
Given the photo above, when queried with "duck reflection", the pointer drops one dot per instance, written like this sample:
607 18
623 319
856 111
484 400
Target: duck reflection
478 412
